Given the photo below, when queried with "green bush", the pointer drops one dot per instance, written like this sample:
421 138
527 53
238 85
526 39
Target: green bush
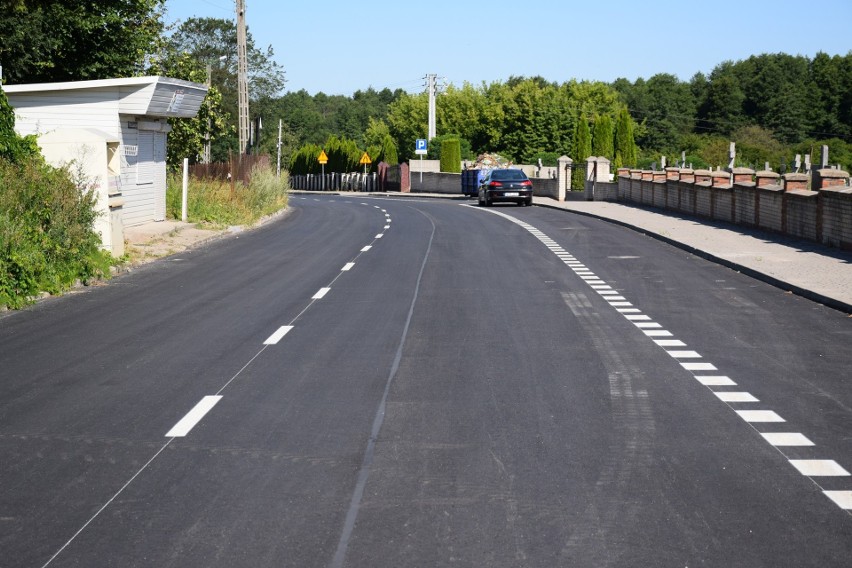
47 237
14 148
434 152
451 155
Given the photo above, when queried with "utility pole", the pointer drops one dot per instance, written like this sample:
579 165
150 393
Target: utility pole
242 76
206 157
278 167
432 89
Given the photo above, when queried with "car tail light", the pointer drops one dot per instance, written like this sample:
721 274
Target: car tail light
526 183
495 184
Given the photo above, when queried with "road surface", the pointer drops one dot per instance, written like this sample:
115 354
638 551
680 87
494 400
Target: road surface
392 382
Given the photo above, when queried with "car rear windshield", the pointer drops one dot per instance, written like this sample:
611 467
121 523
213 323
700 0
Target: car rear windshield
508 175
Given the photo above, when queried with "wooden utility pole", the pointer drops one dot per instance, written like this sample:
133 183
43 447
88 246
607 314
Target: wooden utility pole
242 76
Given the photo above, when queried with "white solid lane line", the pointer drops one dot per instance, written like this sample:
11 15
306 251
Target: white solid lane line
193 417
278 335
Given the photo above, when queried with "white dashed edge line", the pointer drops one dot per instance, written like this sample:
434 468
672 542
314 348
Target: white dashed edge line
812 469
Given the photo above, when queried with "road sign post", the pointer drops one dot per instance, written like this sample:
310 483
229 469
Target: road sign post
420 149
323 160
366 161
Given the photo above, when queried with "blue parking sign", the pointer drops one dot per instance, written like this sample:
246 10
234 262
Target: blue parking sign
420 146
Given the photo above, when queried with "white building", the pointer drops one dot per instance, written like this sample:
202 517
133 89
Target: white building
114 131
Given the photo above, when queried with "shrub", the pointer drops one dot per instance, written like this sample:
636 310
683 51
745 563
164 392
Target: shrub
47 237
14 148
451 155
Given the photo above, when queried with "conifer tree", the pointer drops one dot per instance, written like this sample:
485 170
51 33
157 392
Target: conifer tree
625 145
602 138
582 150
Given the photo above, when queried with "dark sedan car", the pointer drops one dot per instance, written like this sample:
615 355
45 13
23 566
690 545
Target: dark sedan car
505 185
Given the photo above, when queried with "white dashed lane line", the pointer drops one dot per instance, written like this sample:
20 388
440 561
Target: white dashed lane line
193 417
278 335
207 403
200 410
690 360
320 294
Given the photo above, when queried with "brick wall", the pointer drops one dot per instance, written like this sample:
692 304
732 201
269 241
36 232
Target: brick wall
770 208
545 187
703 196
761 199
687 197
434 182
800 219
659 193
837 217
744 198
723 205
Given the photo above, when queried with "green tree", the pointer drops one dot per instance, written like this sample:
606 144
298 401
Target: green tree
387 152
213 42
625 146
408 118
721 110
377 130
602 138
462 111
667 107
189 135
582 150
71 40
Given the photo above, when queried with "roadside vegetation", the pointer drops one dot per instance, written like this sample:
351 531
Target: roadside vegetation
773 106
47 241
216 204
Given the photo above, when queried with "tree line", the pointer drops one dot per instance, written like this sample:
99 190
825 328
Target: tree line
772 105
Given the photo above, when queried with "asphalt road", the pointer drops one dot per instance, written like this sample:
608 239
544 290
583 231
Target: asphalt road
389 382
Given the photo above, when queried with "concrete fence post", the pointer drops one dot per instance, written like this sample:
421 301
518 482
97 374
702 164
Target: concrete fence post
563 177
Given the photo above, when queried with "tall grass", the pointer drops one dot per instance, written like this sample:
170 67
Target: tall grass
214 203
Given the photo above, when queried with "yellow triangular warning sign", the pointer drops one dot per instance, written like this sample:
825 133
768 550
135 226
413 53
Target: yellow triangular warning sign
365 159
323 159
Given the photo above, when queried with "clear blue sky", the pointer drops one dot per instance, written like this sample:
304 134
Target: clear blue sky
339 47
